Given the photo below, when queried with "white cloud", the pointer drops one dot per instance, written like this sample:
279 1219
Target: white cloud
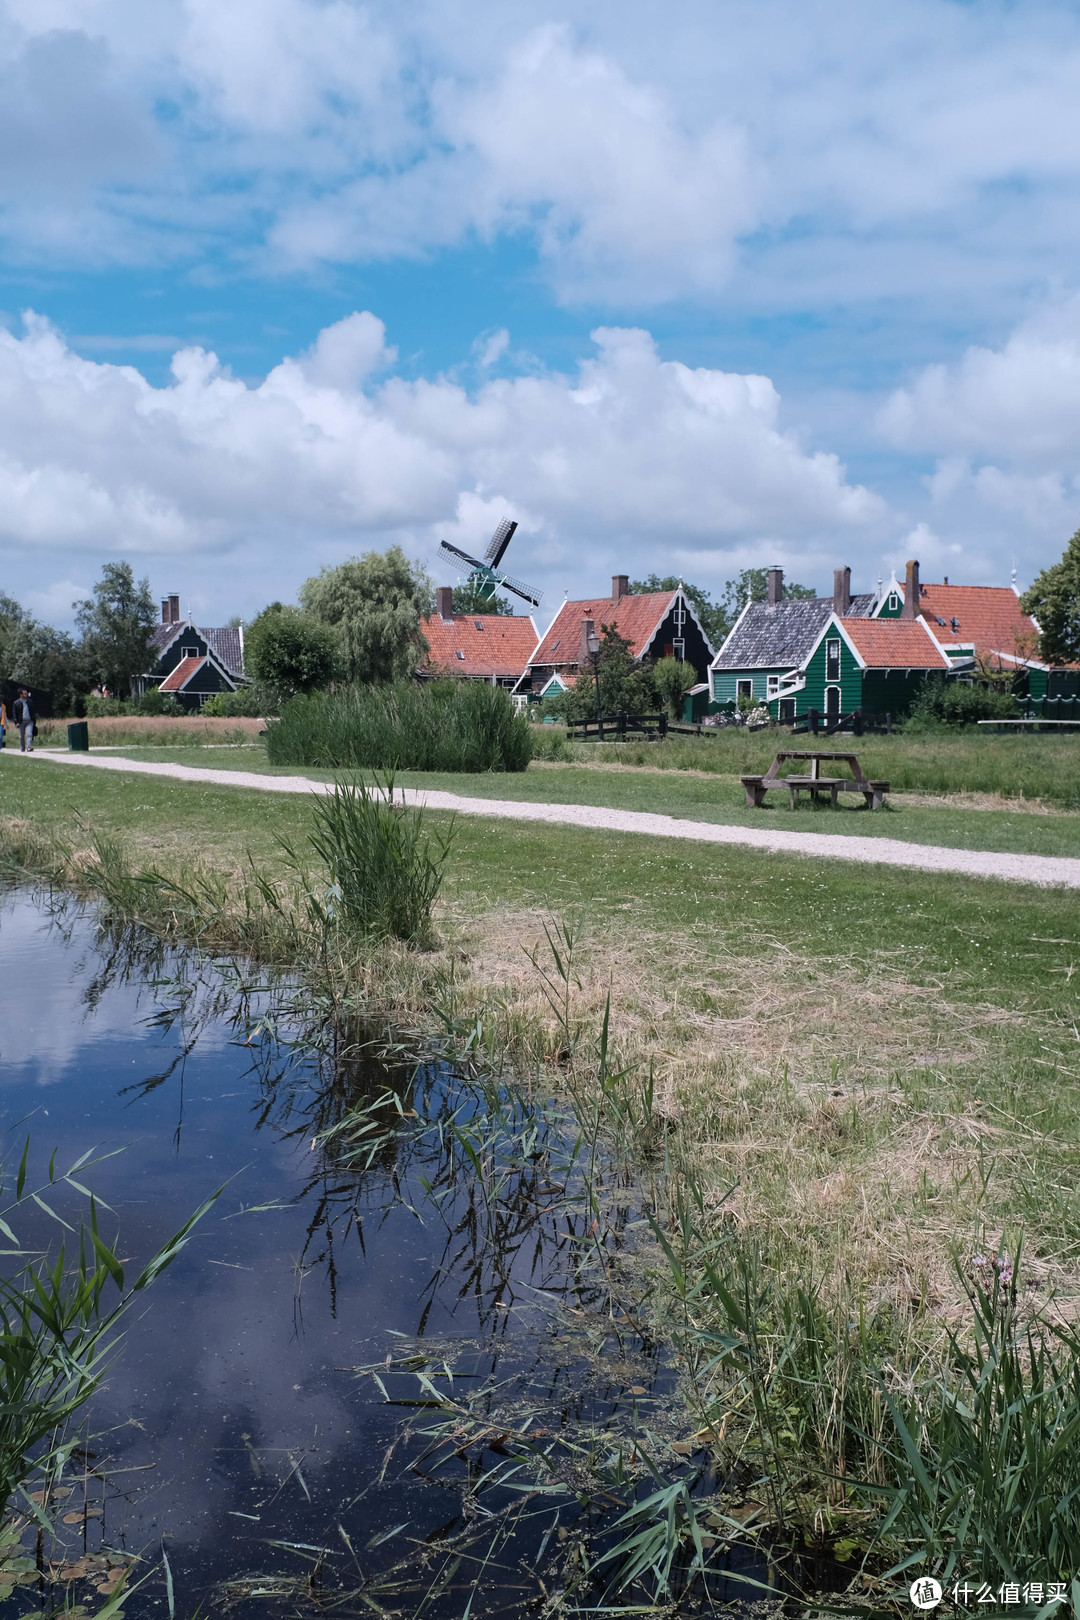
626 462
885 150
1019 403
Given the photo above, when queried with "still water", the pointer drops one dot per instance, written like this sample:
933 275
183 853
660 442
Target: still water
252 1427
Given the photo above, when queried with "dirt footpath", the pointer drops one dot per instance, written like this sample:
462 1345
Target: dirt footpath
1050 871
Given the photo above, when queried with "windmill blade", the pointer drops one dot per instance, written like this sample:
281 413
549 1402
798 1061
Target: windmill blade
461 559
528 593
499 541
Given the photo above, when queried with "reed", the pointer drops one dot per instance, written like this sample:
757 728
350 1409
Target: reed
384 870
439 726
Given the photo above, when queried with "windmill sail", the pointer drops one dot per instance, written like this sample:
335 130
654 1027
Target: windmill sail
499 541
486 575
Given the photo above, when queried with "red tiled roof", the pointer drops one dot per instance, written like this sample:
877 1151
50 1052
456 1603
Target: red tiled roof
501 646
178 678
895 644
635 617
988 615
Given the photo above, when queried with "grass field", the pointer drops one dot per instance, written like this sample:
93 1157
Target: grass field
989 824
1039 766
883 1066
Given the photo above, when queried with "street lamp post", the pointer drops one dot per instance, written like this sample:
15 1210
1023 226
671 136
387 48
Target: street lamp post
594 653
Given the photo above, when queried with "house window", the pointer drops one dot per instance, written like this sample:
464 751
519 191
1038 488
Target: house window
678 650
461 655
189 652
772 686
832 660
744 689
786 710
894 603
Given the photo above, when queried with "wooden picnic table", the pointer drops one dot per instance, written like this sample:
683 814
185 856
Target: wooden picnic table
814 781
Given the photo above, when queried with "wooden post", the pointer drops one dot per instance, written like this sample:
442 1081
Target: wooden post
620 723
888 724
812 721
856 721
664 723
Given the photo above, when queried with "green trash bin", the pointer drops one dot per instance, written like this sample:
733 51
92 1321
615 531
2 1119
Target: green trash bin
79 737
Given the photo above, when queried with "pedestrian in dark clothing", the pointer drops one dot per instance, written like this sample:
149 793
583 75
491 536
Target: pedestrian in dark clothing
23 713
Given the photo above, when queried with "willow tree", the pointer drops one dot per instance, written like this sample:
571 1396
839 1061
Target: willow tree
1054 600
374 604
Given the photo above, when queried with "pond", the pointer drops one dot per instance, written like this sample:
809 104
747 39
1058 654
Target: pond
396 1375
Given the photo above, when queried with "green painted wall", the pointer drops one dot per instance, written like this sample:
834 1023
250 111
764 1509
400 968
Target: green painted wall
891 691
887 610
850 683
725 682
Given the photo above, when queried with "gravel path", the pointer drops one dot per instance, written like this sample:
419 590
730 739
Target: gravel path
1061 871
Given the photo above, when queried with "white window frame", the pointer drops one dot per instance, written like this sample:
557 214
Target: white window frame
772 687
832 651
190 652
834 686
894 601
744 689
678 650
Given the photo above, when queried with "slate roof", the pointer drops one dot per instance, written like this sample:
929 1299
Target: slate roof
635 617
781 636
895 643
493 644
224 641
988 615
178 678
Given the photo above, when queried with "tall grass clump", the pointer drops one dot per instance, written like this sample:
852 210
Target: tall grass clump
59 1319
384 872
440 726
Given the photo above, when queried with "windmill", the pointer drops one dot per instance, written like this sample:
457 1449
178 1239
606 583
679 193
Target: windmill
486 576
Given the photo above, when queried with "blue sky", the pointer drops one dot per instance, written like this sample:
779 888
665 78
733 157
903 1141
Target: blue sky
683 289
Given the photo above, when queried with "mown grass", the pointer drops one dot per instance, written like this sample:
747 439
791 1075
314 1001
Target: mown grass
713 798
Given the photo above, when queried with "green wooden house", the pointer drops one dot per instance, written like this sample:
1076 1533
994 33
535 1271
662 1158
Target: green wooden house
829 654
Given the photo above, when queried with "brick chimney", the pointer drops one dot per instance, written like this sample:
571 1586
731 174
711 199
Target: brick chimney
166 617
174 610
620 586
912 608
588 628
775 588
841 591
444 603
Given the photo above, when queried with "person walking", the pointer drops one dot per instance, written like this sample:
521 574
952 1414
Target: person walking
23 712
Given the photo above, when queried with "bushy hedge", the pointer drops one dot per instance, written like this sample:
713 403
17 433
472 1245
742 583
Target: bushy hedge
404 726
950 703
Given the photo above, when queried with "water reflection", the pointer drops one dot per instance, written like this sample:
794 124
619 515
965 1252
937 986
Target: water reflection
395 1368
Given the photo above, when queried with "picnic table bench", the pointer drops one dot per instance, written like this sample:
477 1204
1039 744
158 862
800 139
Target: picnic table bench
814 783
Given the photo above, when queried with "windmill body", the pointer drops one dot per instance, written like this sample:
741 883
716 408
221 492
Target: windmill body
486 574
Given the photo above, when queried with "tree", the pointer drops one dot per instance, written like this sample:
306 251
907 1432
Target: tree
624 685
670 678
46 660
1054 600
468 599
374 604
290 651
116 623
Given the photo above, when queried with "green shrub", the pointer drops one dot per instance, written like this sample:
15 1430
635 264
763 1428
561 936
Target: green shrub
101 708
247 703
949 703
384 877
440 726
156 702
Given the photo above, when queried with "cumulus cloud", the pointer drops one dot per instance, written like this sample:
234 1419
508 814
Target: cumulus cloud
881 148
627 462
1019 403
1003 427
